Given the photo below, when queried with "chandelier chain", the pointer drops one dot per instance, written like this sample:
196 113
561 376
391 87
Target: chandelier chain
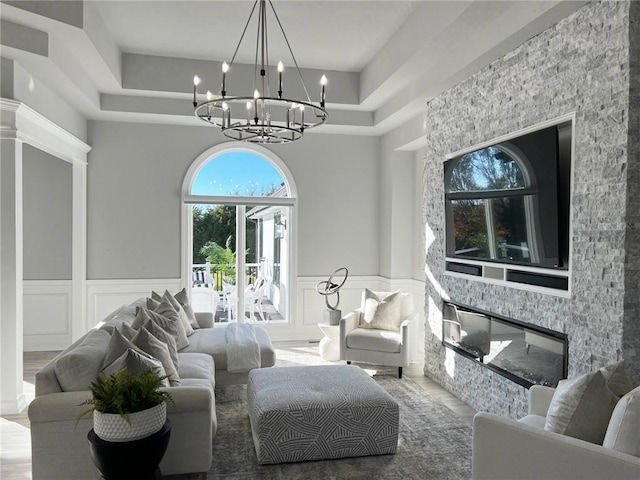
290 51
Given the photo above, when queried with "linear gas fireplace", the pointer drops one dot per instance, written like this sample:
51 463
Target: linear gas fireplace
524 353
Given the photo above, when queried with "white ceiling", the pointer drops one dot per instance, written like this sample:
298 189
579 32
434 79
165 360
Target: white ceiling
134 60
334 35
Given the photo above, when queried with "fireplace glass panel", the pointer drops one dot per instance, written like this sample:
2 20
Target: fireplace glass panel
526 354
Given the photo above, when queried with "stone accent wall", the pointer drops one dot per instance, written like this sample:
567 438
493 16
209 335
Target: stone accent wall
580 65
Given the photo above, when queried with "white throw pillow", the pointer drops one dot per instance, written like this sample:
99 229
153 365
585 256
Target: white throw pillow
581 407
616 378
623 433
382 313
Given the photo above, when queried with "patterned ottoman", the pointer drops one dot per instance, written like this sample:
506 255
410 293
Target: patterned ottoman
319 412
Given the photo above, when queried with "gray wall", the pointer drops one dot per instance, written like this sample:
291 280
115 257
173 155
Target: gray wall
135 176
47 197
580 65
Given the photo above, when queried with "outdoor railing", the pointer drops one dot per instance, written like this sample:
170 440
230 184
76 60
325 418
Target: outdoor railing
208 274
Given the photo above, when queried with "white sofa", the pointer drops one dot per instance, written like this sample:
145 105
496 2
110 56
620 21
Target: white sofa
522 449
59 447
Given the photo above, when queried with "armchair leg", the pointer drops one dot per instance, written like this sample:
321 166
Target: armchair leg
399 372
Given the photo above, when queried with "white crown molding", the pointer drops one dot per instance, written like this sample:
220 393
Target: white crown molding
25 124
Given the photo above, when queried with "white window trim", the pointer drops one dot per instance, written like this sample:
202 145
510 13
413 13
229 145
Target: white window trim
188 200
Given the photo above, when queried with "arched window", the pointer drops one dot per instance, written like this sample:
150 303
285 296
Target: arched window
239 198
490 196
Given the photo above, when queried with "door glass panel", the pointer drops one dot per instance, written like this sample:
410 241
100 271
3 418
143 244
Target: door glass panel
214 259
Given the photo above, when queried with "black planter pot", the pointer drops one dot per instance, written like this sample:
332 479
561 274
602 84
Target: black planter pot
135 460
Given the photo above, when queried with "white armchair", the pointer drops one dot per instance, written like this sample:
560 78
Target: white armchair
522 449
361 343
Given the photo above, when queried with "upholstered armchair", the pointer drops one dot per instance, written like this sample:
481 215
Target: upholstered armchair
380 332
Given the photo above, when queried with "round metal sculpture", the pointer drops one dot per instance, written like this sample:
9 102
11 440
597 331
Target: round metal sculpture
329 288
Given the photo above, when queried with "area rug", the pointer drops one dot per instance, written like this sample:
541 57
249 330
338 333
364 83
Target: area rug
433 442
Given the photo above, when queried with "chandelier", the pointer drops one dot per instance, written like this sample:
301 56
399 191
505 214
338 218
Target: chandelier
261 117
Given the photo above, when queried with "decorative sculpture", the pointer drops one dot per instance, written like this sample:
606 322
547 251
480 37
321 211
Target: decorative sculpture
330 287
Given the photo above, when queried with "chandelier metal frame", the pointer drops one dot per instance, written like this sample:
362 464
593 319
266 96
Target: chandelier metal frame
261 118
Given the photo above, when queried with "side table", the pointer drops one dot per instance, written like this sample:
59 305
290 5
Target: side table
330 345
134 460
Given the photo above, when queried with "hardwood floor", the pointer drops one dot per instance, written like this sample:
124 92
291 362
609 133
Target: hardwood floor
15 442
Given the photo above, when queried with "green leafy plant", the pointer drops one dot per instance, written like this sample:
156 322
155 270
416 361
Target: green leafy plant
124 393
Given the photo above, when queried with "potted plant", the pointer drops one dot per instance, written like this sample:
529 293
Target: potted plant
127 406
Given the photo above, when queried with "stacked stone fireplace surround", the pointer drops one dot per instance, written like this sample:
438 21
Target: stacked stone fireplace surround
586 64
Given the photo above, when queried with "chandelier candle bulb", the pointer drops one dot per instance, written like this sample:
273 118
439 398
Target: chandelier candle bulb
280 70
196 82
225 69
323 82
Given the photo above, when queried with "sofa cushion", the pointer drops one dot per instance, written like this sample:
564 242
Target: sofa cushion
623 433
76 369
376 340
581 407
616 378
136 362
533 420
213 341
382 312
158 350
196 365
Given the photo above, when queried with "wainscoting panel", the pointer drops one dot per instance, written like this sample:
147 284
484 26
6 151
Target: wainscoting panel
104 296
46 314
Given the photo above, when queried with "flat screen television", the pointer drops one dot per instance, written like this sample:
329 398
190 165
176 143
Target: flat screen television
508 202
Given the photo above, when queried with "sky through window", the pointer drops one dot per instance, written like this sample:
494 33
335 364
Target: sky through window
237 173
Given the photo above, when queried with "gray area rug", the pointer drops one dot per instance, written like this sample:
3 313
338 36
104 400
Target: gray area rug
433 442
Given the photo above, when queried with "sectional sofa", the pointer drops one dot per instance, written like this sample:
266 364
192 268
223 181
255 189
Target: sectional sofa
59 444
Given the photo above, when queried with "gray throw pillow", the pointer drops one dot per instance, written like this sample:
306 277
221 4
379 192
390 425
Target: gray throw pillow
135 362
169 324
158 350
180 311
165 337
118 344
76 369
382 313
581 407
183 299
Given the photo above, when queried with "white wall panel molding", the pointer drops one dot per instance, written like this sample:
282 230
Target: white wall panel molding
47 314
104 296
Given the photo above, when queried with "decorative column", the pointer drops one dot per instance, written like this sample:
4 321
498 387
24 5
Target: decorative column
12 399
